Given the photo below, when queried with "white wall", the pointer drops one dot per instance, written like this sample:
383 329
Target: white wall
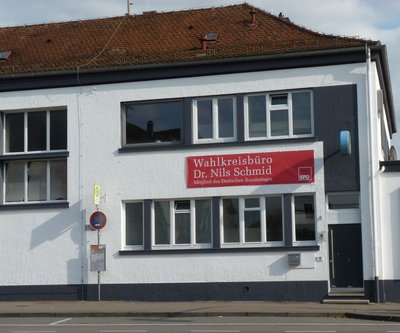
390 221
46 246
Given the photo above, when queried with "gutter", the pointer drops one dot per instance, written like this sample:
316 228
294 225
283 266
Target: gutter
319 53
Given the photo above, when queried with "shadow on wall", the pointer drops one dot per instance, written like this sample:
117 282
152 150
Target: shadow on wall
279 267
67 221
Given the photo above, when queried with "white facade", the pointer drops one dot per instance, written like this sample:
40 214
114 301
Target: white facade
51 246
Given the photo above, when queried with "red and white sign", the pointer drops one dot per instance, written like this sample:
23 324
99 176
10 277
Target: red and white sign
98 220
288 167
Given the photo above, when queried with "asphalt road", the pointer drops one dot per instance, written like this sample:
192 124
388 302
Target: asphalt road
194 325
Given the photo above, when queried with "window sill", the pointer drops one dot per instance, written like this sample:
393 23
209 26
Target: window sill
38 205
34 156
222 250
181 146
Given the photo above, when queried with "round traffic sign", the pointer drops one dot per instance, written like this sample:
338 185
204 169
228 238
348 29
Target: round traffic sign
98 220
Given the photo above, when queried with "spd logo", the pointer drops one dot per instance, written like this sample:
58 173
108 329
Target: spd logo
305 174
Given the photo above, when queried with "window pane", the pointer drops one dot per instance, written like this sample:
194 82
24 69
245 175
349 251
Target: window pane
162 222
182 228
37 181
154 122
36 131
14 132
231 220
252 203
257 116
301 113
58 130
203 221
225 118
279 123
252 226
15 180
304 217
343 201
204 119
134 223
182 205
279 100
58 180
274 219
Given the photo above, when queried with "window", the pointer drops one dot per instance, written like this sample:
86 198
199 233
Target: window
344 201
252 220
304 217
153 122
214 120
283 115
39 178
39 131
182 223
134 224
244 222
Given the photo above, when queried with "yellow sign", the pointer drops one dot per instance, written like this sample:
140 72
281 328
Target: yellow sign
96 194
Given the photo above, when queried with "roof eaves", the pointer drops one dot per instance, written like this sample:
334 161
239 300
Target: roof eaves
289 55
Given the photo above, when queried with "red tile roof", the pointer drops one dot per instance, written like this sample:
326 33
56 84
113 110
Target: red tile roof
156 38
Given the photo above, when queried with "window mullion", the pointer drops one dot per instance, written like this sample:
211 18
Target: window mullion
153 224
172 222
47 130
25 132
195 135
312 114
290 114
4 137
235 129
221 220
241 221
192 222
215 118
263 217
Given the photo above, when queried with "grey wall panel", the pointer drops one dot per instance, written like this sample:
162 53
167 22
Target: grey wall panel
335 110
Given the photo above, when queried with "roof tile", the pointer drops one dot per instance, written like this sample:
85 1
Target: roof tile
155 38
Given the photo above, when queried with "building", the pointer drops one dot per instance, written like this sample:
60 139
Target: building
235 155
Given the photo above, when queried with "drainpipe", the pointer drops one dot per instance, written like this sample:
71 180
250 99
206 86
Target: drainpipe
372 179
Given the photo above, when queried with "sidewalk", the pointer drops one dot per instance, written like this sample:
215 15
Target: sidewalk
387 311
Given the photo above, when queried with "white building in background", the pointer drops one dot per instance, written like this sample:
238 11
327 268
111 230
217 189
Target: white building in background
239 156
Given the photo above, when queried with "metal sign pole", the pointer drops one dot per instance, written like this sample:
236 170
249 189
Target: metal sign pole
98 272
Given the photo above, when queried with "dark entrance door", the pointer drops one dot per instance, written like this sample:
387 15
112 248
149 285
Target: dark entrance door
345 256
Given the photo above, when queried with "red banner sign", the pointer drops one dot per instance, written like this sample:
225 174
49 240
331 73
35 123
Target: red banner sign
288 167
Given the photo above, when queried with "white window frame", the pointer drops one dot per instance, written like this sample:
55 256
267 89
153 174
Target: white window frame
263 228
215 129
293 213
172 212
272 108
123 228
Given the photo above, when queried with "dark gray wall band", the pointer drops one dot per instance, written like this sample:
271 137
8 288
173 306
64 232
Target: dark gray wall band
147 224
335 110
288 221
216 230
